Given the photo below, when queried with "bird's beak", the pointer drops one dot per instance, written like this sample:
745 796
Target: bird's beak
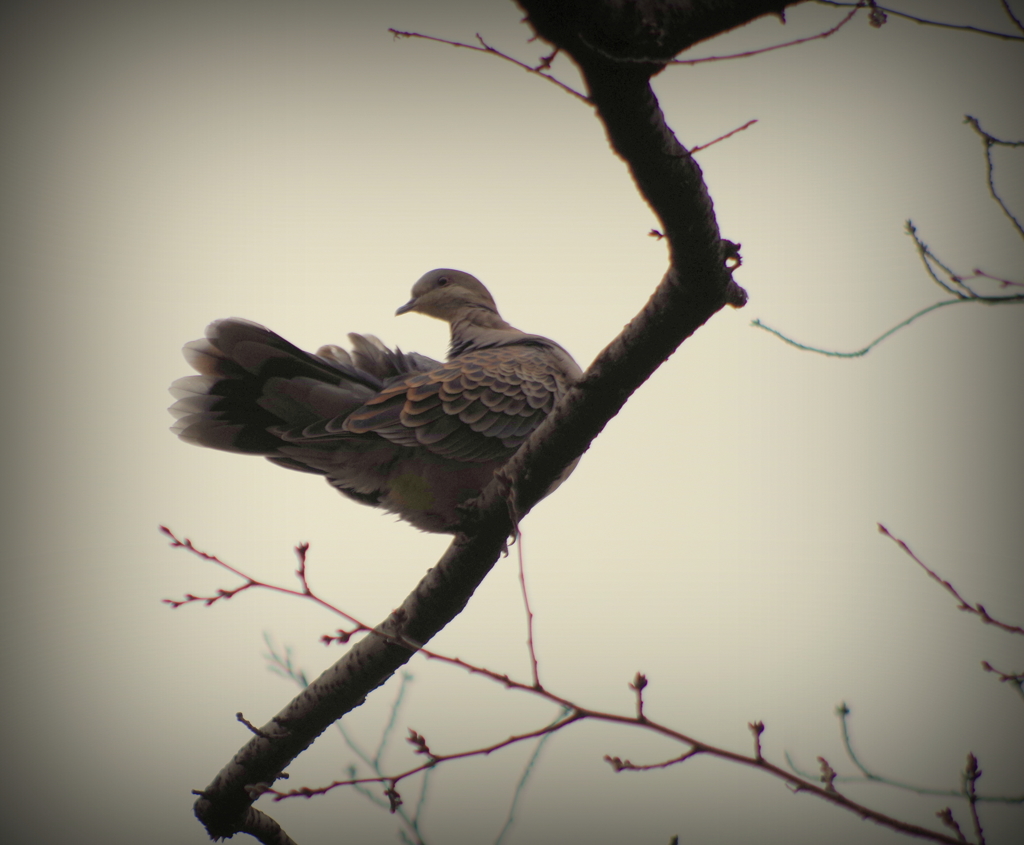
407 307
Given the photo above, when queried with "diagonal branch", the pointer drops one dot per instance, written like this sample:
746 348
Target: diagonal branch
977 608
695 286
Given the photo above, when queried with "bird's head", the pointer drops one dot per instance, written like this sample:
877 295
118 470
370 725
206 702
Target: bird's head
446 294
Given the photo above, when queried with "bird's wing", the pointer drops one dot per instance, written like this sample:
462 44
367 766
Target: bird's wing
480 406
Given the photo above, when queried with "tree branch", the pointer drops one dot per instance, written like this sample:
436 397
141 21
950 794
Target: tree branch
695 286
928 22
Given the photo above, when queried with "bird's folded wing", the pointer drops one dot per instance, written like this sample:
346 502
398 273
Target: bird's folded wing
480 406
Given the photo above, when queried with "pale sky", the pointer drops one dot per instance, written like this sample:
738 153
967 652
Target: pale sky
170 164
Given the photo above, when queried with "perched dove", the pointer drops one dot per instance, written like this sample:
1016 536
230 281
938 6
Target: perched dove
394 430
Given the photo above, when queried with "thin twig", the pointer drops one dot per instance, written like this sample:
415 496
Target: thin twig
432 760
1012 16
858 353
796 784
957 283
760 50
867 775
970 778
1015 679
928 258
946 816
250 582
521 785
241 718
487 48
534 666
843 711
620 765
957 286
828 775
989 142
571 714
1007 35
976 609
757 728
637 685
700 147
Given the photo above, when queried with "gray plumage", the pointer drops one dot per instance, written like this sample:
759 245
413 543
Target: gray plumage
390 429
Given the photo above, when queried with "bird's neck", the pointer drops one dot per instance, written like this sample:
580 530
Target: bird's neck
473 318
476 326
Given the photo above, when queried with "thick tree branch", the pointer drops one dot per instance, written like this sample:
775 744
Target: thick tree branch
696 285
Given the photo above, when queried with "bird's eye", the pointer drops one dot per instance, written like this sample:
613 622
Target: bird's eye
442 281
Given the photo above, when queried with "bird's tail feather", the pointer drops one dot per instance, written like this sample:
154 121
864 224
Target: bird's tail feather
256 391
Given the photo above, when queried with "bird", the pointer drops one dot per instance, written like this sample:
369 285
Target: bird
400 431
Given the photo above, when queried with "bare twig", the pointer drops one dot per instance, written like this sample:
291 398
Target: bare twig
828 775
577 714
700 147
1009 12
537 70
521 785
534 666
864 350
249 725
1015 679
970 778
571 713
1003 283
963 27
620 765
760 50
957 285
305 592
976 609
843 711
757 728
637 685
946 816
433 760
991 141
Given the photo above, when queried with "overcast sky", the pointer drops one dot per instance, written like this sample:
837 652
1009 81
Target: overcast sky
169 164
